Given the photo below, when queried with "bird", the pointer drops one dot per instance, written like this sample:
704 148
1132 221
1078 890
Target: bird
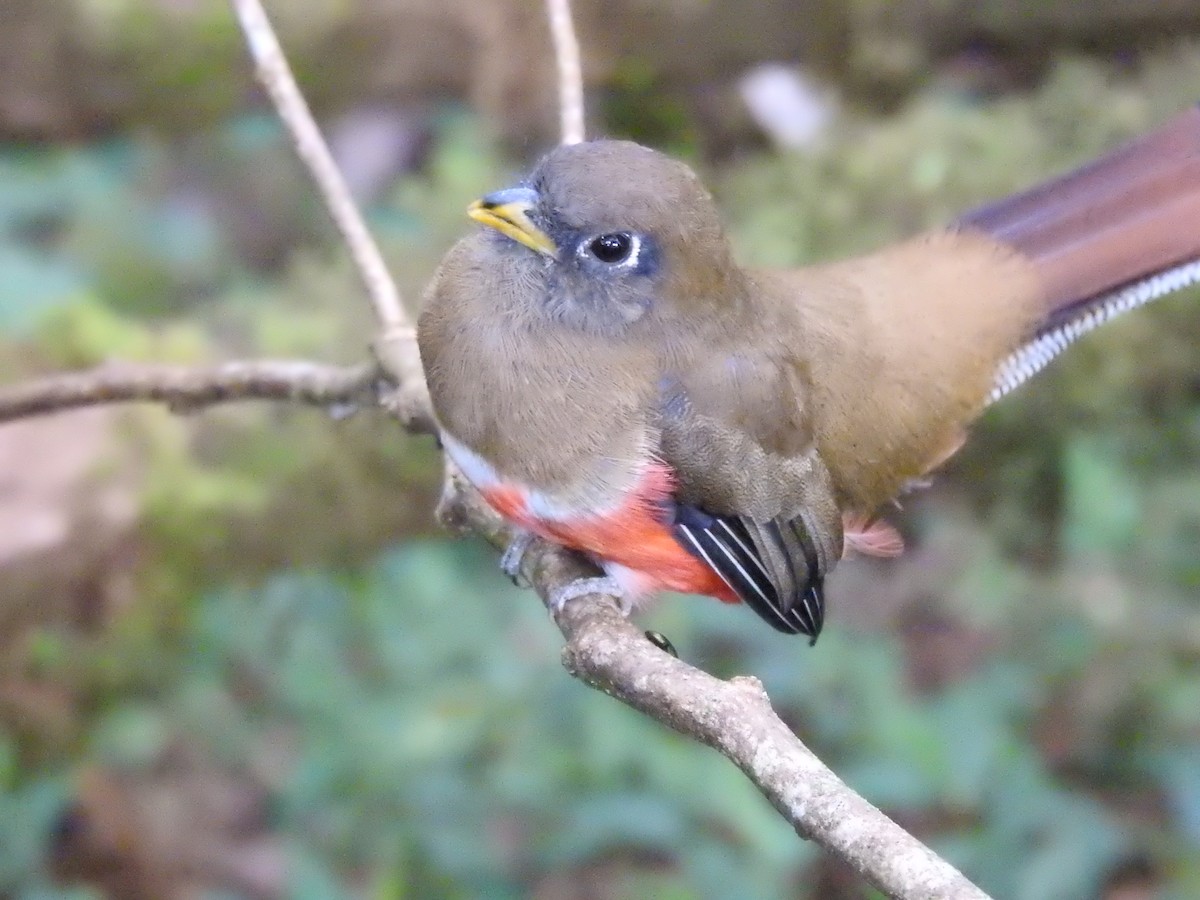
612 380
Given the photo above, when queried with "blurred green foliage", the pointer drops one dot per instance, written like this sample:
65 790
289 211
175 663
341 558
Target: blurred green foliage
1023 690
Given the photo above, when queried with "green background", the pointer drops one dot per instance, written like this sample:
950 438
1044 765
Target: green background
250 665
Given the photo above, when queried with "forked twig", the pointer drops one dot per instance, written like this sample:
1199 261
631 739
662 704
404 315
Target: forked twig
396 344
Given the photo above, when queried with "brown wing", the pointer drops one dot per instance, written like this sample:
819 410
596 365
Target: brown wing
754 499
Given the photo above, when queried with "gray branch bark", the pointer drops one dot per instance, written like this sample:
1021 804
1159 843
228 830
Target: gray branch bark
187 388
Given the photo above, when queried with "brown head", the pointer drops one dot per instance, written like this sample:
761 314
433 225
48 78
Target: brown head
620 234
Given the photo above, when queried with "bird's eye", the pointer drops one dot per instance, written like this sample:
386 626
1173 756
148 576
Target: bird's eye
613 248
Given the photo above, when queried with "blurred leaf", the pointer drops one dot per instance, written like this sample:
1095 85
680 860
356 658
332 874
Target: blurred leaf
1180 774
1103 512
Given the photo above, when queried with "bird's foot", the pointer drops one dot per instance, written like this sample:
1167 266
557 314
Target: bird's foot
510 562
584 586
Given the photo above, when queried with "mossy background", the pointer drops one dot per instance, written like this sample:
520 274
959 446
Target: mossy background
236 656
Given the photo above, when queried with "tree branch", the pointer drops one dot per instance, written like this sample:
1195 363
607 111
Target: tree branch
187 388
602 648
733 717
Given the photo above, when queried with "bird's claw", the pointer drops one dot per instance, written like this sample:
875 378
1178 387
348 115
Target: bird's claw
510 562
662 642
584 586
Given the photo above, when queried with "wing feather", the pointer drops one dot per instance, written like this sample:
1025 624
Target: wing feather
773 567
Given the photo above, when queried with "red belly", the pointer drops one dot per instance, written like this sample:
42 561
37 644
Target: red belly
633 536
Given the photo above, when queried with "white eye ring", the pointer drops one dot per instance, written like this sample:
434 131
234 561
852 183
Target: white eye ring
632 255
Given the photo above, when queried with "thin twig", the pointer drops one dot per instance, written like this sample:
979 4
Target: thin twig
187 388
275 75
570 70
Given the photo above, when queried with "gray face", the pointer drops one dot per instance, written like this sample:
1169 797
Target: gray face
601 282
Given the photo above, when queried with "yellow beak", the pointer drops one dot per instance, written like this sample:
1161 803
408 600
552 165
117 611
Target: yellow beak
508 212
